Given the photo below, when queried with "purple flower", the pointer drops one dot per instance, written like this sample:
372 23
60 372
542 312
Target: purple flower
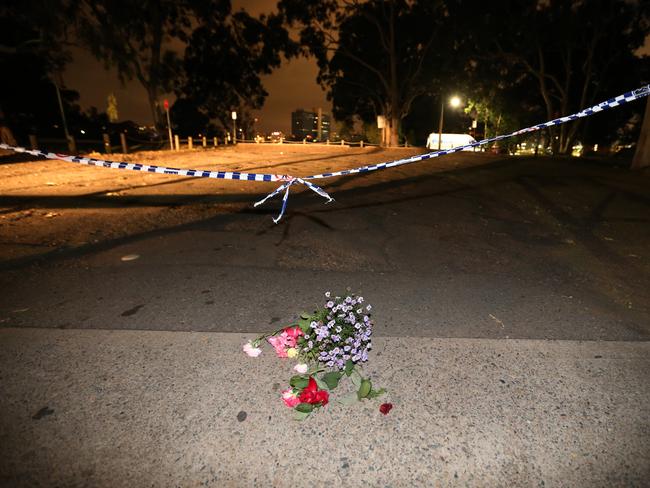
336 338
330 304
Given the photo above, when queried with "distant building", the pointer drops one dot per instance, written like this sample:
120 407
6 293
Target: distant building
310 125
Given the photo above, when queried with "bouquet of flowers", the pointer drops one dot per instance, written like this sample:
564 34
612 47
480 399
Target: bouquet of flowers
329 345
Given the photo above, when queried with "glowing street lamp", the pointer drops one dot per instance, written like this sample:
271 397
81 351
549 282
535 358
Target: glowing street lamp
233 115
454 102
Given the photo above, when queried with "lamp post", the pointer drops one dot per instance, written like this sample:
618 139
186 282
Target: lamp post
234 127
454 102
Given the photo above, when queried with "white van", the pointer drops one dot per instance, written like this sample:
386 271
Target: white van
450 141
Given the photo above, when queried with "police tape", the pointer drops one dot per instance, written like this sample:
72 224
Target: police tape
288 181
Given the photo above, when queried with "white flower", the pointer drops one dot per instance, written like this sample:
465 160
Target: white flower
327 294
251 351
301 368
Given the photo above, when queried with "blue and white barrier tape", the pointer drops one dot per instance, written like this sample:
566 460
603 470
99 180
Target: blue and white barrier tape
613 102
288 180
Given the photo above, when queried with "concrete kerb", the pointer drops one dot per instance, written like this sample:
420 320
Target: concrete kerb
137 408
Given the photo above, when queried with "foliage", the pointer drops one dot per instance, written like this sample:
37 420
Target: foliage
375 57
137 38
569 53
225 57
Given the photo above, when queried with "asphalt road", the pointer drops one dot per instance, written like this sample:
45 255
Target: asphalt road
519 248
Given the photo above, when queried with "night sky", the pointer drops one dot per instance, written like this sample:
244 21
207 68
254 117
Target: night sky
291 86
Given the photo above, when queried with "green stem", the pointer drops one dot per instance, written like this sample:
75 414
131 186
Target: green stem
257 341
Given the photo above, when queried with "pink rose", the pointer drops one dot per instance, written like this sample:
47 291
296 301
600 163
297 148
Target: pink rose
289 399
301 368
279 344
252 351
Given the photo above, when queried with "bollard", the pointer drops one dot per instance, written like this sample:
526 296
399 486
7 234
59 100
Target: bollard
107 143
189 142
342 142
205 141
304 141
361 142
328 142
177 142
32 141
125 148
216 142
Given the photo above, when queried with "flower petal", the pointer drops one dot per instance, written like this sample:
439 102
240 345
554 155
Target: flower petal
385 408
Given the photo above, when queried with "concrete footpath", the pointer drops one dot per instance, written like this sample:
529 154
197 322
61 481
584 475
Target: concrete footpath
141 408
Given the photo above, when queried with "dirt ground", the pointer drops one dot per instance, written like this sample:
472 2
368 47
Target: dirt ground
48 204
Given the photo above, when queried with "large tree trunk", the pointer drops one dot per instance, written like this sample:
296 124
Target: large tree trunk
642 154
153 105
393 131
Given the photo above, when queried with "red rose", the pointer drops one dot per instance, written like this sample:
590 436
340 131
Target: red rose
308 393
322 397
293 332
311 393
385 408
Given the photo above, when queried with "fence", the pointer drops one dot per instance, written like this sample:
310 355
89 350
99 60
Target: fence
127 143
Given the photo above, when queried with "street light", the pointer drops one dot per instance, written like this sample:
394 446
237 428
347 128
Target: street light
454 102
233 114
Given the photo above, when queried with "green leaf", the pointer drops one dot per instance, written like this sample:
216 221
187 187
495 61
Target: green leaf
349 399
364 389
304 315
332 379
349 367
299 381
301 415
356 378
321 384
304 325
304 407
376 393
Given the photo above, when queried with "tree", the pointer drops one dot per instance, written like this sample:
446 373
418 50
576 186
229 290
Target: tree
225 57
33 50
138 38
575 52
375 57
